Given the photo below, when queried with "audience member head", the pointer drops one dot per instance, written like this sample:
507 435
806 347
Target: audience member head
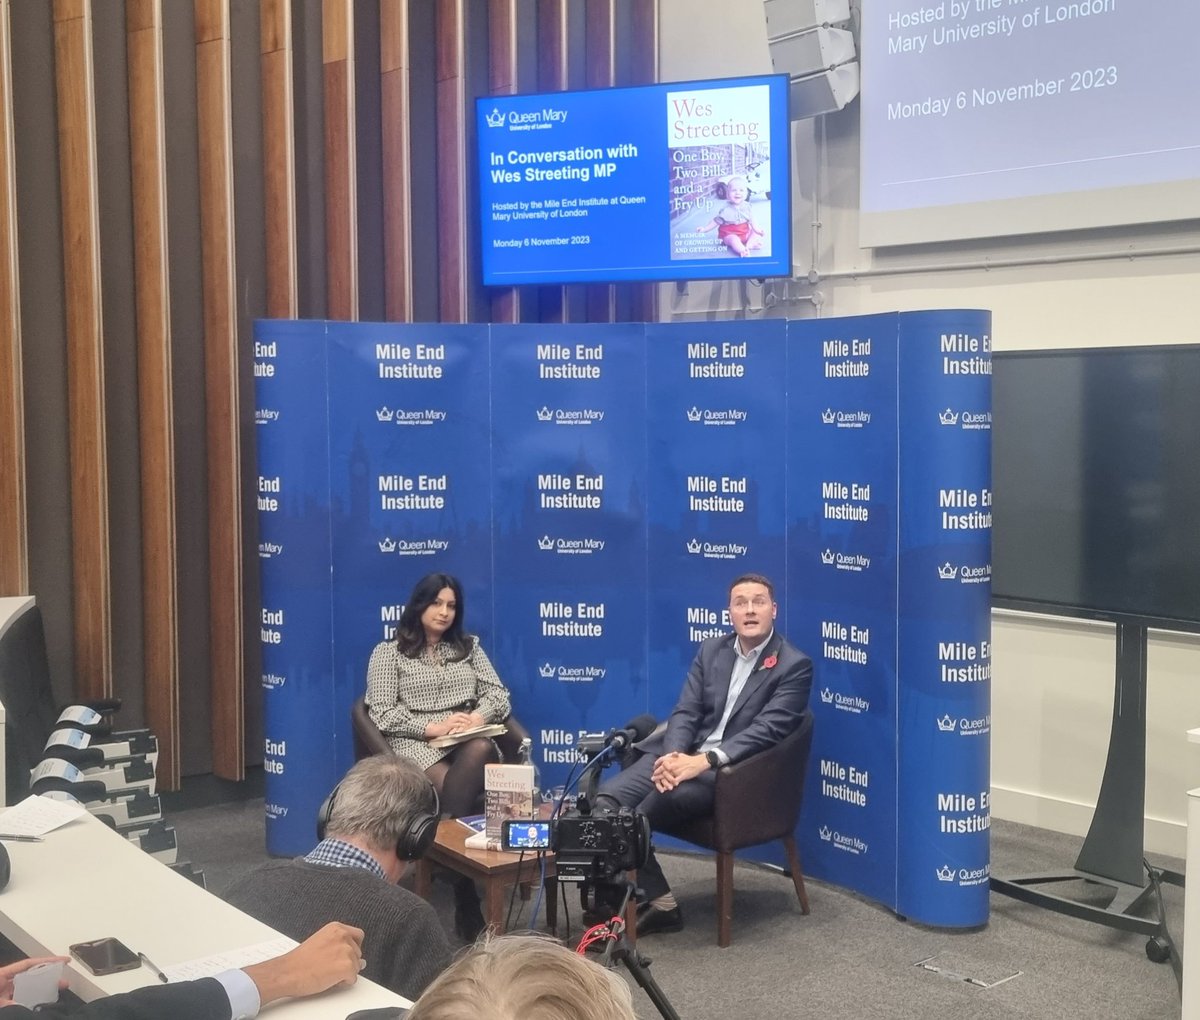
524 977
380 805
434 598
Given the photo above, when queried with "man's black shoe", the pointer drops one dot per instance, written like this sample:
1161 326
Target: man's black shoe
651 919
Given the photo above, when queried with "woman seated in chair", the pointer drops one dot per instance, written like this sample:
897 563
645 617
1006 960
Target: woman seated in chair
434 680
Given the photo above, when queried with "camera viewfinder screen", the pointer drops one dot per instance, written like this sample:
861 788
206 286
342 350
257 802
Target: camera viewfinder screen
528 835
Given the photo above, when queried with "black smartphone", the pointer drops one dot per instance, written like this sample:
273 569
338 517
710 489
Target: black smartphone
525 835
105 956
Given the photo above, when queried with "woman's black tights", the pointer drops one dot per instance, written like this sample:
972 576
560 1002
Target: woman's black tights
459 781
459 776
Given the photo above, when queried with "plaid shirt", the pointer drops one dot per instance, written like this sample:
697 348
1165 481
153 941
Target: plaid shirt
333 853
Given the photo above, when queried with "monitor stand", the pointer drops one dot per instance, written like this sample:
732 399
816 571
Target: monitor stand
1113 852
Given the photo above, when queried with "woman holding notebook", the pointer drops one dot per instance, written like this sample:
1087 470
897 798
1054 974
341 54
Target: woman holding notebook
433 694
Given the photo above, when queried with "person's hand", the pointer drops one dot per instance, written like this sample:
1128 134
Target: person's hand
330 958
453 724
460 721
13 969
475 719
672 769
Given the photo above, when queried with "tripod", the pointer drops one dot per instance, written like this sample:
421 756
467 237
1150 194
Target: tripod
619 948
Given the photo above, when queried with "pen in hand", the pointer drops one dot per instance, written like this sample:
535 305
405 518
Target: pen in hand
154 969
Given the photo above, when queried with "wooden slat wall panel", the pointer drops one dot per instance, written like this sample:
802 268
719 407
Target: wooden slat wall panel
644 69
14 538
279 158
395 100
221 387
600 64
91 584
156 414
502 81
341 173
552 77
452 160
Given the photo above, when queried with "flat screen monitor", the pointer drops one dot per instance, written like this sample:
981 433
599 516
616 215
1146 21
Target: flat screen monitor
676 181
1096 483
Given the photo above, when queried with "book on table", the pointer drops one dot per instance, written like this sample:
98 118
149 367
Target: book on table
507 795
486 730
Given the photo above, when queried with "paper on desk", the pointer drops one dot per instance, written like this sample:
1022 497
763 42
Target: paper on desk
229 959
35 816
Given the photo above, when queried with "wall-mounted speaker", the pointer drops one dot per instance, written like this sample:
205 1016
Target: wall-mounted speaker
821 61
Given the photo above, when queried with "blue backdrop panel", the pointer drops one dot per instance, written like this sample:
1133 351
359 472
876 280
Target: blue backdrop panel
294 557
944 647
715 427
842 590
569 505
410 475
596 488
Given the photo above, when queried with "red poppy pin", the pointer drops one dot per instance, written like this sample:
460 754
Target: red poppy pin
769 662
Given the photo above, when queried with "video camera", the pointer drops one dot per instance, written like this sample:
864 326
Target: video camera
591 845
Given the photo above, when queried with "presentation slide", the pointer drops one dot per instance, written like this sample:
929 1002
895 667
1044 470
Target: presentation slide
993 117
658 182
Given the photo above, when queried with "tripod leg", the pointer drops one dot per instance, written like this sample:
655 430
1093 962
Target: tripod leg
639 968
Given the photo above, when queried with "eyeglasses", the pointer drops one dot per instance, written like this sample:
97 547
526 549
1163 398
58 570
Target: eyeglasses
758 602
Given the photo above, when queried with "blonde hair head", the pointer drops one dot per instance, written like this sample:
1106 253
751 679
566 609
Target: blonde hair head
524 977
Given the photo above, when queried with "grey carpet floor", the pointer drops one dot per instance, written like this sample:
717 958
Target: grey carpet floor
849 957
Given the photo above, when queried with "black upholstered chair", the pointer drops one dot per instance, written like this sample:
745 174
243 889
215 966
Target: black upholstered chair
758 800
368 740
31 713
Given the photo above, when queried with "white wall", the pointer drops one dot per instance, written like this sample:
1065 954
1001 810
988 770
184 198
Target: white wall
1052 680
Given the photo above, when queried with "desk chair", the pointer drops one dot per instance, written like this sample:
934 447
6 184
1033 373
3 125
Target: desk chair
28 699
368 739
757 800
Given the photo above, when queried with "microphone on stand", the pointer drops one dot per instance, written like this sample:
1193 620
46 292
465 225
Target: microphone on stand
638 728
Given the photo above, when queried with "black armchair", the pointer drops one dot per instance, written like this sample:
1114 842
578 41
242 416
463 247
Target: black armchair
758 800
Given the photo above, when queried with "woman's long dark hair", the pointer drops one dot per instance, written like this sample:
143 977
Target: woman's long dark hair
410 632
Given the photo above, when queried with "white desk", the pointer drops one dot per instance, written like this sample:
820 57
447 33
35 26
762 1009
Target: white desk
1191 902
86 882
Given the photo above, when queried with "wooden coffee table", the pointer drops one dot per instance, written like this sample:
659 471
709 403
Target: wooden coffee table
496 870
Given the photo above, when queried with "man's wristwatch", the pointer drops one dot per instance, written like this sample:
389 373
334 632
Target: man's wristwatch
714 762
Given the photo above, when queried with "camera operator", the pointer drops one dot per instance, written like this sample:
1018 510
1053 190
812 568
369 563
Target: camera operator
745 692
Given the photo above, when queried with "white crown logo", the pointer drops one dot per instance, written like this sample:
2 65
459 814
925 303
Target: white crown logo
827 557
945 873
948 417
827 416
693 414
545 543
694 545
387 545
495 118
827 696
546 671
825 833
947 571
545 414
946 724
385 414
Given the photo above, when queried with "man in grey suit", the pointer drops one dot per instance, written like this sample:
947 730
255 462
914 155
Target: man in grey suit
745 692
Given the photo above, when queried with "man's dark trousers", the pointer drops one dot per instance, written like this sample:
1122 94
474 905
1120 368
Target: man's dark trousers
688 800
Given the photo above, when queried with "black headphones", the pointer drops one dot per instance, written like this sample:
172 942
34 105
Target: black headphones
414 841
